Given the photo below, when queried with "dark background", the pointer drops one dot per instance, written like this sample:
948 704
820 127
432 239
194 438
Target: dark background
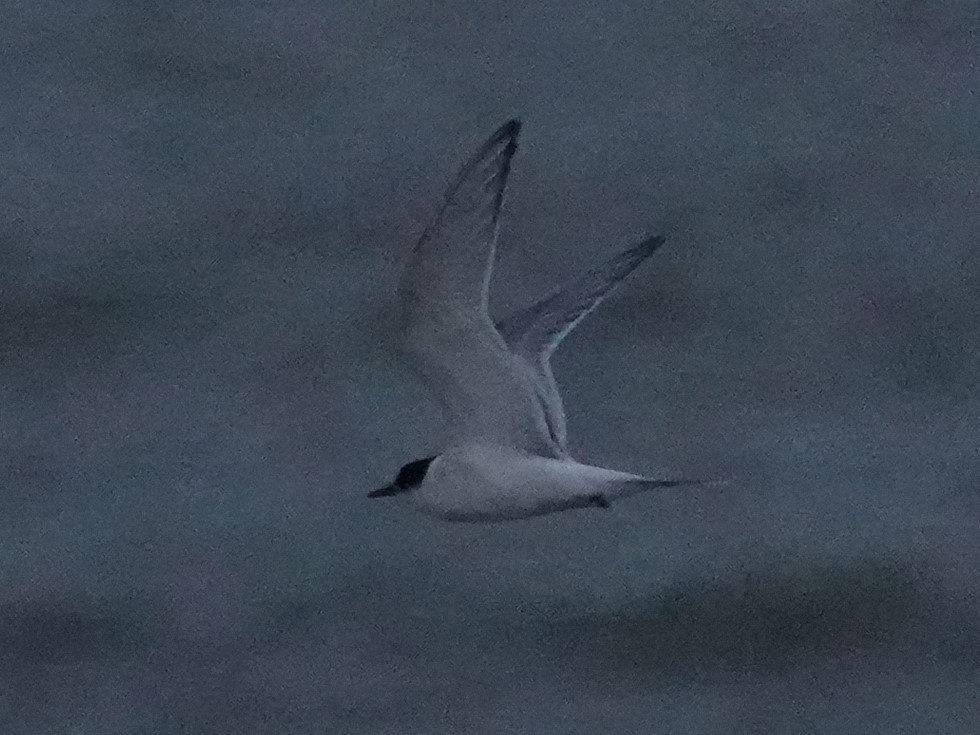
205 207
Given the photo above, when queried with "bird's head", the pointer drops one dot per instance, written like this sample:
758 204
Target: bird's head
409 477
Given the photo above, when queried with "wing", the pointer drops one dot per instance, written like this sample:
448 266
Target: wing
534 333
487 393
449 273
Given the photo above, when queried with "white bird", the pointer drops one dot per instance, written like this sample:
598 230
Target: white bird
509 458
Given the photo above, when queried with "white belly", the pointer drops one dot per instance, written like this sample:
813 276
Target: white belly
490 483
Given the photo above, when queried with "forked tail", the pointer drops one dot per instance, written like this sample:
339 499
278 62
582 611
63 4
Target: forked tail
626 488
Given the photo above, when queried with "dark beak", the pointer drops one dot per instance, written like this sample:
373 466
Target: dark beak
384 492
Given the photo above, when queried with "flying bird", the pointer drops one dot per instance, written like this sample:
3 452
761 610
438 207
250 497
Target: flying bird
509 455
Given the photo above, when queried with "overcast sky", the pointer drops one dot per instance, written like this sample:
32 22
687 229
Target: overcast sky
203 211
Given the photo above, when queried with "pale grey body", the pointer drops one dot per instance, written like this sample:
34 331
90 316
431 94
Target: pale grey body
479 482
509 458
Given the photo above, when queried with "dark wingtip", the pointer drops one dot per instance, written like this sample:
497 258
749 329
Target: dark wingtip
499 148
599 501
508 131
653 242
512 127
642 250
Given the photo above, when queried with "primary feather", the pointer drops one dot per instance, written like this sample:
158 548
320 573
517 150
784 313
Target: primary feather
534 333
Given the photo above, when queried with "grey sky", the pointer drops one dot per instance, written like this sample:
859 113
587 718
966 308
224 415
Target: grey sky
204 210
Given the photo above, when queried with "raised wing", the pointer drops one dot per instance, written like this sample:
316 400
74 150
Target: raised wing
487 393
534 333
449 273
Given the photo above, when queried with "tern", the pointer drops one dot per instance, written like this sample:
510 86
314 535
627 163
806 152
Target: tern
509 456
